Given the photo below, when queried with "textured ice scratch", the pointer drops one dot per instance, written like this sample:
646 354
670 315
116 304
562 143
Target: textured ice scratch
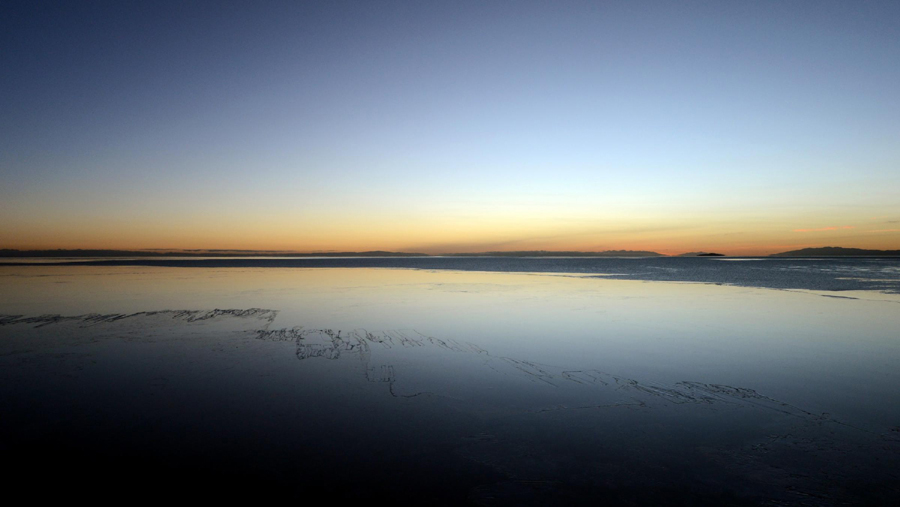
90 319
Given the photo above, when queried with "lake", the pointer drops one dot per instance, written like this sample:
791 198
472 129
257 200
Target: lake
480 381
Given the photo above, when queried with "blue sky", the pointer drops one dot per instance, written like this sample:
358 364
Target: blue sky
450 126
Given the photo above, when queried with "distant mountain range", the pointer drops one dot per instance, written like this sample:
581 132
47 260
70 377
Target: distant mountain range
7 252
550 253
836 251
829 251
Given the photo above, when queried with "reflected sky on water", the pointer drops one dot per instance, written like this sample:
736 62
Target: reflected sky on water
699 375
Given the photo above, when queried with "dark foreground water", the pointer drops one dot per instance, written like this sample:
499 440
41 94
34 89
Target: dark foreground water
453 386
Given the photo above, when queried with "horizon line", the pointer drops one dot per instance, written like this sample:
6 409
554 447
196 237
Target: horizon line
200 252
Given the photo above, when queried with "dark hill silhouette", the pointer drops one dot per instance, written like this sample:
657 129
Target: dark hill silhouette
836 251
701 254
79 253
548 253
7 252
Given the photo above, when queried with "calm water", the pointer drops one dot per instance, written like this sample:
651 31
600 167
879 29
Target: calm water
832 274
483 381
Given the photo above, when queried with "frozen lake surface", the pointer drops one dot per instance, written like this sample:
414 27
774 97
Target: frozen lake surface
473 385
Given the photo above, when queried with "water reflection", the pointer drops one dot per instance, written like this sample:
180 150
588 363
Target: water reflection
515 388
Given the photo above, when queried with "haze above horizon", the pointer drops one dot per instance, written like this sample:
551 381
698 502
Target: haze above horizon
740 128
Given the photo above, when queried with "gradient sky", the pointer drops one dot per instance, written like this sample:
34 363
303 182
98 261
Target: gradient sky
739 127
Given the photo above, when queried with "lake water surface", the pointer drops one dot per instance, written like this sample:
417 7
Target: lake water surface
711 382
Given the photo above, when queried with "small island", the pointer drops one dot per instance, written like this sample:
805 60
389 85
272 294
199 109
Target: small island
701 254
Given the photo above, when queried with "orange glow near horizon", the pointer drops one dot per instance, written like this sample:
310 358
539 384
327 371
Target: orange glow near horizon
444 235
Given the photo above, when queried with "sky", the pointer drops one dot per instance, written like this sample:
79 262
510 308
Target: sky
745 128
